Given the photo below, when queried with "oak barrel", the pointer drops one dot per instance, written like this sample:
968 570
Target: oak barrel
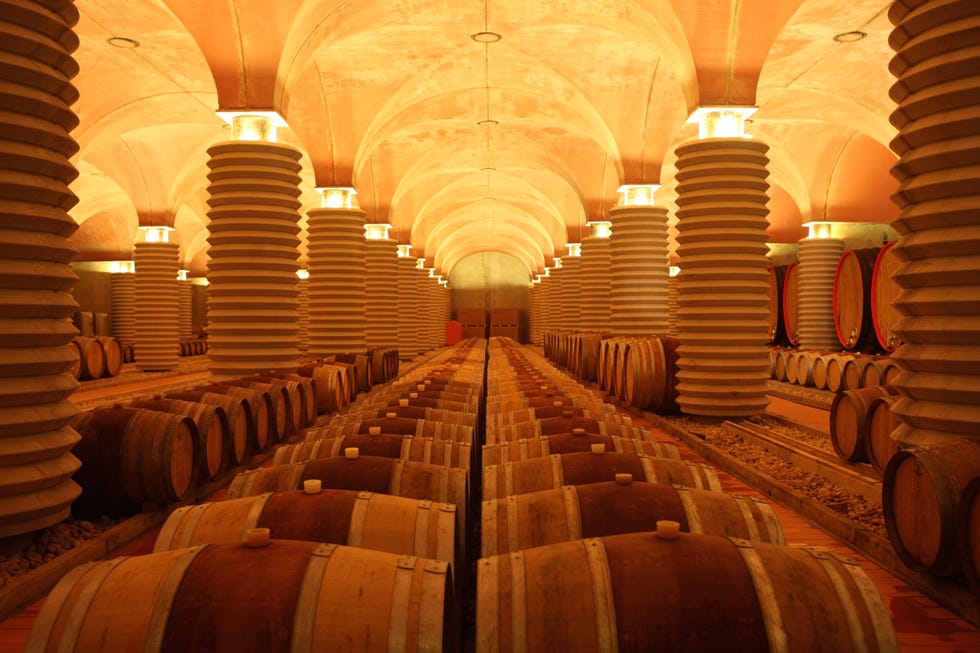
968 534
651 374
553 471
211 424
920 492
848 420
262 408
130 456
395 426
546 445
791 302
92 358
693 593
884 291
852 299
286 596
241 429
880 422
112 353
406 447
776 276
333 386
572 512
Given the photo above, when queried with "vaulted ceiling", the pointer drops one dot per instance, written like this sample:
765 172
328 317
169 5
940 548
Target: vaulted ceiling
468 147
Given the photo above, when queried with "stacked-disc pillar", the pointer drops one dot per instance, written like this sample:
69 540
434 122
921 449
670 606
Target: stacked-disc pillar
639 270
35 278
157 344
815 313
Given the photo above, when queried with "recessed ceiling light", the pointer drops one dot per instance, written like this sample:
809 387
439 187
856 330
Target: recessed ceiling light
489 122
123 42
487 169
850 37
486 37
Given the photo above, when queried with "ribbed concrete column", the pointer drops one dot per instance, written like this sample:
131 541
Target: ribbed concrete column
548 304
337 281
534 314
254 239
381 295
157 346
185 310
303 313
673 308
407 297
938 118
568 294
35 277
595 309
123 286
639 270
815 314
722 291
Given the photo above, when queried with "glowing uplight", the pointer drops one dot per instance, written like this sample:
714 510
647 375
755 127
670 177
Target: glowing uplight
182 275
574 249
638 194
376 231
819 229
122 267
404 251
600 228
556 263
337 197
253 125
303 274
721 122
420 263
154 234
673 270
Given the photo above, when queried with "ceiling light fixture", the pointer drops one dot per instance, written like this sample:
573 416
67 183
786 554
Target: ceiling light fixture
850 37
488 122
486 37
122 42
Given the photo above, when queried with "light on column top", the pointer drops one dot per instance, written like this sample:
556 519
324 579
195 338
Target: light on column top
819 229
404 251
303 274
182 275
154 234
337 197
574 249
721 122
638 194
432 273
376 231
253 125
556 263
600 228
673 270
122 267
420 263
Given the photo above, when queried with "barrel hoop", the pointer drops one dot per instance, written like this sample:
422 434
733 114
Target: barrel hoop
189 521
843 596
573 514
255 512
557 471
880 620
490 473
406 450
766 594
513 523
395 481
79 608
157 627
423 513
432 592
446 528
401 593
694 523
649 474
607 639
166 535
776 535
309 597
746 509
358 513
710 477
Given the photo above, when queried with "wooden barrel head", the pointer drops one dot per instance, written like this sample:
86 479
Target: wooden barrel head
791 297
884 291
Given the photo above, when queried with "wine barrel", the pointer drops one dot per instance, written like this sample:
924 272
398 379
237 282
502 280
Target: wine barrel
288 412
852 299
603 425
920 493
884 291
406 447
240 429
848 420
872 373
820 371
525 449
782 359
130 456
91 357
395 426
263 411
333 388
437 415
573 512
880 422
791 302
359 370
835 371
285 596
852 373
588 354
302 393
691 593
968 534
651 374
211 424
363 519
112 354
556 470
776 277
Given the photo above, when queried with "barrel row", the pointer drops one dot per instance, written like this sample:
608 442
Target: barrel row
194 346
831 371
98 357
552 528
391 553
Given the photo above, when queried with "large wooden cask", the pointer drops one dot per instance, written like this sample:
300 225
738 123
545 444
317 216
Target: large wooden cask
287 596
693 593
